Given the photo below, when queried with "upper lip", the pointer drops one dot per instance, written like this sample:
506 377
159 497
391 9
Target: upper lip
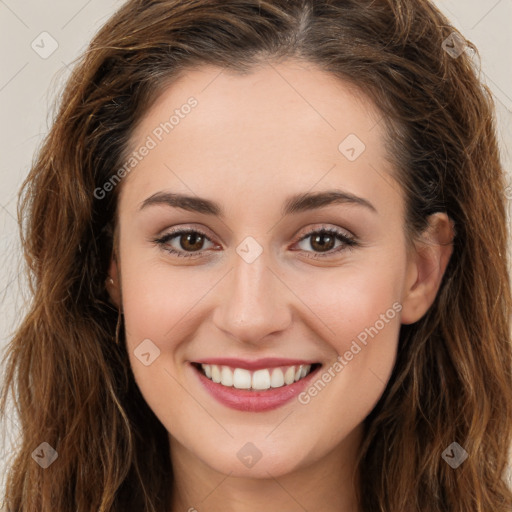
256 364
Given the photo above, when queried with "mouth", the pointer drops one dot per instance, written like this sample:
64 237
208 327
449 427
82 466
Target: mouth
254 386
261 379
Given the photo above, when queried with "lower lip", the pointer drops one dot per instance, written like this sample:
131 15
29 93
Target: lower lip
254 401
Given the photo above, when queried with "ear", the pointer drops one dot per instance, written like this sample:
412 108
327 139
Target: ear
427 262
113 284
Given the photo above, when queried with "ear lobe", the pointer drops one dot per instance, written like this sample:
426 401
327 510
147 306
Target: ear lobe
428 263
113 284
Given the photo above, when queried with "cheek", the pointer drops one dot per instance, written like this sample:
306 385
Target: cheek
360 315
158 304
157 298
352 301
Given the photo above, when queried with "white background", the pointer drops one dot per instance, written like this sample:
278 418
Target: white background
29 84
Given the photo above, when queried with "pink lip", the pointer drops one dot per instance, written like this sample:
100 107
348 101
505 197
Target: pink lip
254 401
258 364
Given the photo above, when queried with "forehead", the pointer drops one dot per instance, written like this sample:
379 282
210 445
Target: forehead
278 128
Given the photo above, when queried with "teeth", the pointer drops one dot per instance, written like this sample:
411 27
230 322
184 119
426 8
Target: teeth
289 376
226 376
241 378
263 379
277 379
215 373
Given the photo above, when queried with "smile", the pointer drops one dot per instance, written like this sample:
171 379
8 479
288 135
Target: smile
254 386
259 380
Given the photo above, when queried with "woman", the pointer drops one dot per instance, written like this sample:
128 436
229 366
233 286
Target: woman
267 243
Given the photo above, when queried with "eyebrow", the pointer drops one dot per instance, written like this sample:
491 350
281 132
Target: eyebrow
294 204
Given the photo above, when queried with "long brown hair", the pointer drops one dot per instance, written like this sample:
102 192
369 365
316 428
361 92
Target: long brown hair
72 384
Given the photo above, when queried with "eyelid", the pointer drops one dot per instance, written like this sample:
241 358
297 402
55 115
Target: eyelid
187 228
176 232
329 228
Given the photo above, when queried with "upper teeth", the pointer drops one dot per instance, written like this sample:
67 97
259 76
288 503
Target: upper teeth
266 378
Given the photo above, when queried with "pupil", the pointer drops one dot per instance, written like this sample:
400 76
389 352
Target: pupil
194 241
322 246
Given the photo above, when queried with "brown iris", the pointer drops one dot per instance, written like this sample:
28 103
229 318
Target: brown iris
191 241
327 245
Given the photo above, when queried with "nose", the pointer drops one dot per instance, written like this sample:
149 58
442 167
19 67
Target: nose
253 303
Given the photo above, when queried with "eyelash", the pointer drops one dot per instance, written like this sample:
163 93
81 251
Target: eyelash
348 242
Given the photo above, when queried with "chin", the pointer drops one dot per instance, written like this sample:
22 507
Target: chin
258 459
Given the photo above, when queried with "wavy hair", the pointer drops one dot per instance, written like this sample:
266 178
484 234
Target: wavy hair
72 384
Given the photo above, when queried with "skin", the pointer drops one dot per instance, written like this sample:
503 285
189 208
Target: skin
251 142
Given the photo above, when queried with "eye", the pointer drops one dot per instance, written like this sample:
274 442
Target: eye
184 242
189 243
324 241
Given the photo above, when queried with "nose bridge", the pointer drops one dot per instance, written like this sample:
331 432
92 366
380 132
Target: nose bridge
254 303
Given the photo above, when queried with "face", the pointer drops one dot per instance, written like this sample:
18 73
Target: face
261 230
